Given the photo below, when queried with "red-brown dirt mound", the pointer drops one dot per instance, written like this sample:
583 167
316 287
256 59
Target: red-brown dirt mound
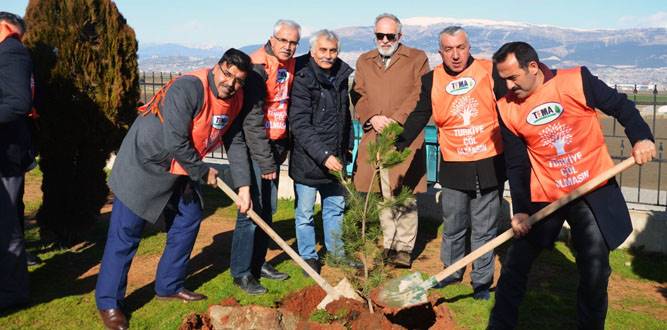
304 302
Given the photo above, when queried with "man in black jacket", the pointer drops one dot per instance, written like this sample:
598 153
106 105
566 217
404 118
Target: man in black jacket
320 122
15 104
553 144
460 95
266 100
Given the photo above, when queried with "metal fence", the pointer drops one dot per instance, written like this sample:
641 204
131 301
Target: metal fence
645 185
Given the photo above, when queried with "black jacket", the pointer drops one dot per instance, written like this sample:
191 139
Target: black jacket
320 121
15 104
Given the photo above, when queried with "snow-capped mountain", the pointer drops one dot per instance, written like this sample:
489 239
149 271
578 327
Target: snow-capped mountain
622 49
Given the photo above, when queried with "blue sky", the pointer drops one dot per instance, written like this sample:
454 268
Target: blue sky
209 22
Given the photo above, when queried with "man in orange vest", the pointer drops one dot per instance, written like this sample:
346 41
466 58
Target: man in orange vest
15 158
158 170
266 99
461 95
554 144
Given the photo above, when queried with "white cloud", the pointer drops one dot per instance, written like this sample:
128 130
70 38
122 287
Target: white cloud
658 19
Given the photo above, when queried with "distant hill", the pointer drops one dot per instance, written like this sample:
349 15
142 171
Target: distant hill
607 50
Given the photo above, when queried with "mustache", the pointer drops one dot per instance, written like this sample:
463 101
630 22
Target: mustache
327 60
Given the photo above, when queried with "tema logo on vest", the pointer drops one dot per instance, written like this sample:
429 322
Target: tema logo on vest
544 113
460 86
219 121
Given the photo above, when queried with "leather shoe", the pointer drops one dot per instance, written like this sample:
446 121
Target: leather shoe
271 273
249 284
114 319
446 282
314 264
402 259
184 296
387 255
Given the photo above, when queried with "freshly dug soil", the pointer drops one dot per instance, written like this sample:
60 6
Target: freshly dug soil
304 302
351 314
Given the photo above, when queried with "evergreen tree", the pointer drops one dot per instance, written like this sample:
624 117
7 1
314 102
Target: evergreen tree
87 81
361 232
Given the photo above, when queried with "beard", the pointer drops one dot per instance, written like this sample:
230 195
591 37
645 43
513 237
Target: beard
387 52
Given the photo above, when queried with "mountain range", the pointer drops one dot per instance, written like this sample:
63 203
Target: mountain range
624 50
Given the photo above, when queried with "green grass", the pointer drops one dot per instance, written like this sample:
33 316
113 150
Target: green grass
63 297
550 302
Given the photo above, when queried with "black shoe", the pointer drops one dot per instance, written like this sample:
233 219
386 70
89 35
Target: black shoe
32 259
249 284
314 264
402 259
271 273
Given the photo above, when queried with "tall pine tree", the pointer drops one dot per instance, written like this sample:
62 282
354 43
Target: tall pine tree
87 80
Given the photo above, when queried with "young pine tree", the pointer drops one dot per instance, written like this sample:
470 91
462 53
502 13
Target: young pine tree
361 232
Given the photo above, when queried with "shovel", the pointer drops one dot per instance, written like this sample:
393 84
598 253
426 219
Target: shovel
411 290
344 287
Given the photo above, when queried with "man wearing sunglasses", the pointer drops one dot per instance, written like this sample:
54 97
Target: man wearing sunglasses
158 172
385 90
266 100
461 96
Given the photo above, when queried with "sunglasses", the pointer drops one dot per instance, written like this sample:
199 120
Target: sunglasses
381 36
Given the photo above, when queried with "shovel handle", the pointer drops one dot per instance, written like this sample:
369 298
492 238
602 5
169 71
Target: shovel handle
283 245
539 215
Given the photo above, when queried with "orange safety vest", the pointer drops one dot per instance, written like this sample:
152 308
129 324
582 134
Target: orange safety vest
464 110
278 85
562 134
210 124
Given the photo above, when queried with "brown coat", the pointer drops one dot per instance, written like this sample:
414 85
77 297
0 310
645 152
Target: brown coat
392 92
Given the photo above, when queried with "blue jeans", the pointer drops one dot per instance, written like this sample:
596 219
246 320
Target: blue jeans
247 258
182 220
333 207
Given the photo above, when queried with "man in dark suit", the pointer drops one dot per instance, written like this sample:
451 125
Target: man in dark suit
554 144
15 158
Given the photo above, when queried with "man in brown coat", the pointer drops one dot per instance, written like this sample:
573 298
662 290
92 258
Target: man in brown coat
385 90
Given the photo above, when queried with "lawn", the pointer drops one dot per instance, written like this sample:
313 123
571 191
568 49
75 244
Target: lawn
63 286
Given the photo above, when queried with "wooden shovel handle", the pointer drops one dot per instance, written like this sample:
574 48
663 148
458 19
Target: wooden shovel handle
283 245
539 215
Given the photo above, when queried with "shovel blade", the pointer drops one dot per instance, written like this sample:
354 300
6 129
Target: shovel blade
344 289
405 291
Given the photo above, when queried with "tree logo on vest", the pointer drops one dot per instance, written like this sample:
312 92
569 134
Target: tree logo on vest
558 135
466 108
544 113
460 86
219 121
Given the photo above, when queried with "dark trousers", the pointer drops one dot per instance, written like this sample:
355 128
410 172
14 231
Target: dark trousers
182 217
592 257
249 242
479 212
14 281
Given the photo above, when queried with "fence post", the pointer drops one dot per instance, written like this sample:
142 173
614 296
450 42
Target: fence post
660 150
655 106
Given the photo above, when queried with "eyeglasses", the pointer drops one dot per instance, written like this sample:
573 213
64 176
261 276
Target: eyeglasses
288 42
229 75
381 36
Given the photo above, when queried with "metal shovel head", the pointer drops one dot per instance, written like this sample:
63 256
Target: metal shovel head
405 291
344 289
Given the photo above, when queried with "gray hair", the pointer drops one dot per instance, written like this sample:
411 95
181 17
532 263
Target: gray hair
450 31
391 17
281 23
327 34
